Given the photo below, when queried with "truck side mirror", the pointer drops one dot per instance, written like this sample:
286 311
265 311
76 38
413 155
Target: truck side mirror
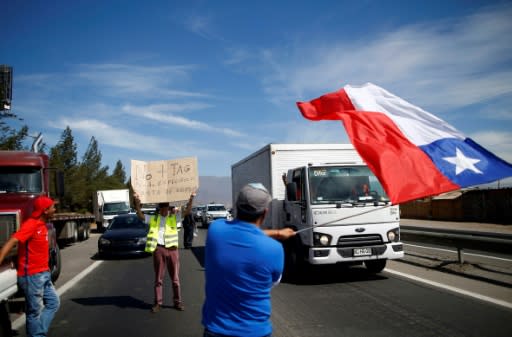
291 191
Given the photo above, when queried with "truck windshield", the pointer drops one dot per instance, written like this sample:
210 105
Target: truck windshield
350 184
216 208
20 179
116 208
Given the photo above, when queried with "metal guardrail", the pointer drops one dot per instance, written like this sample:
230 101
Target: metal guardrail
459 239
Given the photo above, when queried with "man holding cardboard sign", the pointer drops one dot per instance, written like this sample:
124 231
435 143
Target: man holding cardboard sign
161 182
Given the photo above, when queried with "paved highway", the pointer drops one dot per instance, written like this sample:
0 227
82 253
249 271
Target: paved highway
113 298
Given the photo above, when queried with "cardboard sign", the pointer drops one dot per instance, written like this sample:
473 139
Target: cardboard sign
165 180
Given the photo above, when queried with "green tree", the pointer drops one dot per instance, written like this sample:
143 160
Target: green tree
11 139
63 156
91 161
92 172
119 174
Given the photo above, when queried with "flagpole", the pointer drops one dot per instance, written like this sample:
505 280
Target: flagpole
344 218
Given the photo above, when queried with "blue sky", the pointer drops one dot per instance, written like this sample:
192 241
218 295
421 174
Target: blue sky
156 80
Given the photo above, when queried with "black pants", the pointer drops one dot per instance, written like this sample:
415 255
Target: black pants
188 235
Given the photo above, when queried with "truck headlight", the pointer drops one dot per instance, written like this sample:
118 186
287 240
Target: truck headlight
142 241
320 239
394 235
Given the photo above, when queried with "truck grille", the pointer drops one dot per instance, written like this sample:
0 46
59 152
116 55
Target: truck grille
359 241
9 223
122 243
346 244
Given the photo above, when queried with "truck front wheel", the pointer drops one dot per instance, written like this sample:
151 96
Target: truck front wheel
375 266
294 264
55 263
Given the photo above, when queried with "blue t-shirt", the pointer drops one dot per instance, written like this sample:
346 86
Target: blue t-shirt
241 265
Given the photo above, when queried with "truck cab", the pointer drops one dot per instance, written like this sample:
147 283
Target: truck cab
342 214
23 177
108 204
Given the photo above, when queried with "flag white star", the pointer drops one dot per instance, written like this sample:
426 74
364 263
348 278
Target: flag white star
463 163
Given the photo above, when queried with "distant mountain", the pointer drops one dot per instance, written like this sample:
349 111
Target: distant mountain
214 189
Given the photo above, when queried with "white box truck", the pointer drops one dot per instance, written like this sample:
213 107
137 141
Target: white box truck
332 199
109 203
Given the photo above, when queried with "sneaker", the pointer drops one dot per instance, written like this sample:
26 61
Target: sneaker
155 308
179 307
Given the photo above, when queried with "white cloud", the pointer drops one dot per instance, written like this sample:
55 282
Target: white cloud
128 81
109 135
138 144
499 143
497 111
236 56
461 64
315 132
201 25
445 63
163 114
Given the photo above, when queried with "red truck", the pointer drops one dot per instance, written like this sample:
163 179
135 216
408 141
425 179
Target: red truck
24 175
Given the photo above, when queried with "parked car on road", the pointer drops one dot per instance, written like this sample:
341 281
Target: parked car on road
126 235
197 211
214 212
149 208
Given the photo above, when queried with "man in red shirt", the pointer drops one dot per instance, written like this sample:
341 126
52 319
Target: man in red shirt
34 276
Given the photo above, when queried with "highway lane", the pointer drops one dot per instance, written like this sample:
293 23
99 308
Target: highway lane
115 298
358 304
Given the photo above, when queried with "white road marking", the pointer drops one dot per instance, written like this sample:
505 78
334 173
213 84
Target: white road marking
20 321
450 288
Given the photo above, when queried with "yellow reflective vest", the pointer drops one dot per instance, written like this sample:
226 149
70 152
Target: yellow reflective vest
170 233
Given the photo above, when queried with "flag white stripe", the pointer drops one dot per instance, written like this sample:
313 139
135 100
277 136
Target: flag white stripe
418 125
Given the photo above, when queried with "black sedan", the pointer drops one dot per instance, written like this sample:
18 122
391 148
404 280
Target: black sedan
126 235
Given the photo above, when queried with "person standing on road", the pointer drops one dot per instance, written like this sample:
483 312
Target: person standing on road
242 264
34 278
189 223
162 242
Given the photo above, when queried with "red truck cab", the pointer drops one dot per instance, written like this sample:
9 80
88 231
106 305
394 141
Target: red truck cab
24 176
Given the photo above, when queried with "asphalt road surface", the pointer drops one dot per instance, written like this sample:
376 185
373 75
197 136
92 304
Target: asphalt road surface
114 299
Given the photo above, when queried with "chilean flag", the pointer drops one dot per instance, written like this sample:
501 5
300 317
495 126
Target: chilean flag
413 153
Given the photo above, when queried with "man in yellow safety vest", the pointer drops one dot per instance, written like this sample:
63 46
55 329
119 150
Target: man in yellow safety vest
162 242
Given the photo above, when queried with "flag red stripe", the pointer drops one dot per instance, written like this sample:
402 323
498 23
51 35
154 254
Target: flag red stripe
326 107
403 169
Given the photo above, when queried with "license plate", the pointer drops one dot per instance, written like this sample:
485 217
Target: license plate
362 251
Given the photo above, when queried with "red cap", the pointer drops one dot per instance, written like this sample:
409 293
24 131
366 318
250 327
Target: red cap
40 205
